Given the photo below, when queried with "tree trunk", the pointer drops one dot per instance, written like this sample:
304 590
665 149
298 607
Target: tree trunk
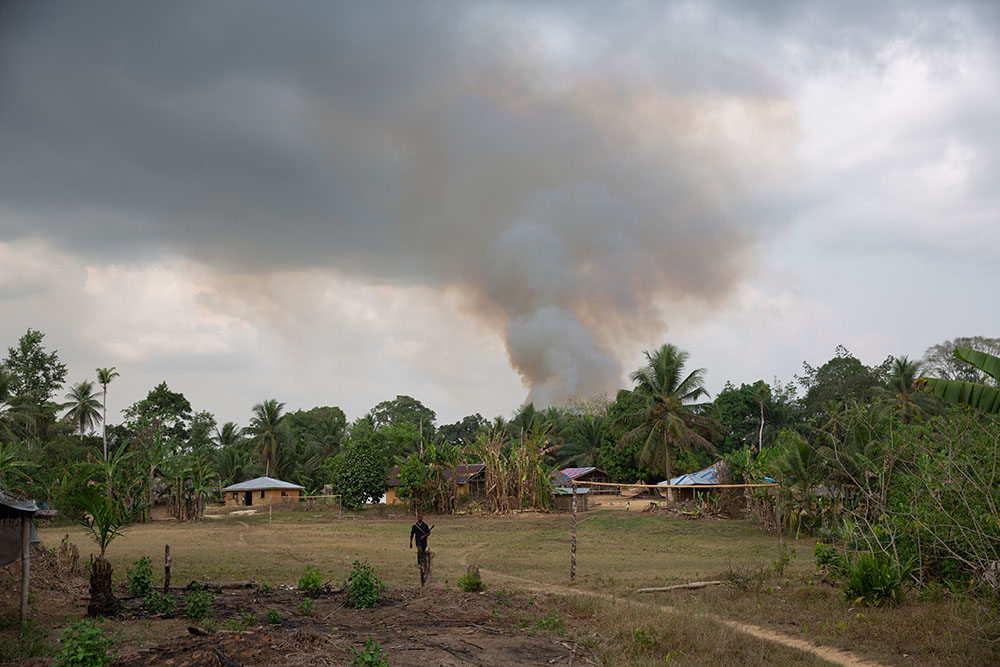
102 598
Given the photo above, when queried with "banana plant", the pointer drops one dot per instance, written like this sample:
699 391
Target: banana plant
979 396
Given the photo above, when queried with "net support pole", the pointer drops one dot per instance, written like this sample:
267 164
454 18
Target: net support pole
25 564
572 548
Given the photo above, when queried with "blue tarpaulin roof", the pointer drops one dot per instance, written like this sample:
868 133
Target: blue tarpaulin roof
710 475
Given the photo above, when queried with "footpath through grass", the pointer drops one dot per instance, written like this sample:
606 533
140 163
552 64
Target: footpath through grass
617 553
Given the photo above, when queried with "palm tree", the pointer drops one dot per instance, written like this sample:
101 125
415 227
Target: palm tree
82 407
908 403
230 435
584 442
668 416
104 377
268 431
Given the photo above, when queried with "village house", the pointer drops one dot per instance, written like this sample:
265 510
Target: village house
261 491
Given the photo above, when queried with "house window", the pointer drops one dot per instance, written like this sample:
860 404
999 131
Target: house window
261 494
282 494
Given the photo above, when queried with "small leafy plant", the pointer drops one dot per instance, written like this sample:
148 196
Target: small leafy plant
140 577
272 616
642 638
470 582
874 579
311 581
158 603
199 603
84 644
371 656
551 621
244 622
306 606
364 589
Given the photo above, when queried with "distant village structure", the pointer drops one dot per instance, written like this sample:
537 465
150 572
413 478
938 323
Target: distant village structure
261 491
470 478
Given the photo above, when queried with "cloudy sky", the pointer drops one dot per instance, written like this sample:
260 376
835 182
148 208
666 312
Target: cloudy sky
479 203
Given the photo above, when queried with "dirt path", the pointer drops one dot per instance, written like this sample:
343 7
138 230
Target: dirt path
834 655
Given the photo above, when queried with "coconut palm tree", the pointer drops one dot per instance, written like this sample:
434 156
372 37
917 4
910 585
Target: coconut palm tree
104 377
268 431
668 417
583 442
82 407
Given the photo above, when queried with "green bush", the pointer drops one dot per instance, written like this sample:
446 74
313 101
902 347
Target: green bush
311 581
158 603
306 607
364 589
199 603
245 621
371 656
84 644
470 582
874 579
140 577
272 616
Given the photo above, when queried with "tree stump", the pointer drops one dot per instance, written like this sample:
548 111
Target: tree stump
102 598
426 571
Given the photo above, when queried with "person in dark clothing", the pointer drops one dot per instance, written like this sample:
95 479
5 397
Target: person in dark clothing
420 530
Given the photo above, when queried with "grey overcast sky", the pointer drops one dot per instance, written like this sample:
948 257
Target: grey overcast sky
482 203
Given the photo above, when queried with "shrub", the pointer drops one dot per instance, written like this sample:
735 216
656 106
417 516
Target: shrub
140 577
874 579
470 582
828 559
199 603
311 581
364 589
244 622
159 603
306 607
84 644
272 616
371 656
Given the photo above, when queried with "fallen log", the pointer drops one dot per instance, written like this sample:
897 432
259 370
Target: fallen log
219 585
696 584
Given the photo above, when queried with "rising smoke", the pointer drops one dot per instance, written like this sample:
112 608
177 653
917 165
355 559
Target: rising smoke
572 172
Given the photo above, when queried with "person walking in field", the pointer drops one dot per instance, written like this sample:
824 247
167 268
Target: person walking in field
421 530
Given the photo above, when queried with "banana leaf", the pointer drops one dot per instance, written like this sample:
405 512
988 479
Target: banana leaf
987 363
978 396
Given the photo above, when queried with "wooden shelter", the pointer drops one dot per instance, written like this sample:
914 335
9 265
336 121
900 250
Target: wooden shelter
262 491
17 532
470 478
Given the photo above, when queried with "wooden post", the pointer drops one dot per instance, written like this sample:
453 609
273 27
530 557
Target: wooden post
25 564
572 549
166 569
777 516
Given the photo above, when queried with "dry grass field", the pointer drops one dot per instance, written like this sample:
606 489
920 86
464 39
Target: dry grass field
525 562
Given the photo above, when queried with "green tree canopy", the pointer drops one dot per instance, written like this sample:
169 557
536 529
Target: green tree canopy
404 410
841 379
35 375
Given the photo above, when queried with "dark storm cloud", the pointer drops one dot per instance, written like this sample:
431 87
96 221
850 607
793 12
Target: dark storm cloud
566 166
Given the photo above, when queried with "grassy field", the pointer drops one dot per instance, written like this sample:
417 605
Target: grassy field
617 553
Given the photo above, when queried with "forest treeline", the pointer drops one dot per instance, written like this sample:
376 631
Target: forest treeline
886 460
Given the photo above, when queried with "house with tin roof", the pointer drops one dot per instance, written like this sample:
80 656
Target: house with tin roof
261 491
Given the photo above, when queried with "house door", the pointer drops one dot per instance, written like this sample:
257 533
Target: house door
248 498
